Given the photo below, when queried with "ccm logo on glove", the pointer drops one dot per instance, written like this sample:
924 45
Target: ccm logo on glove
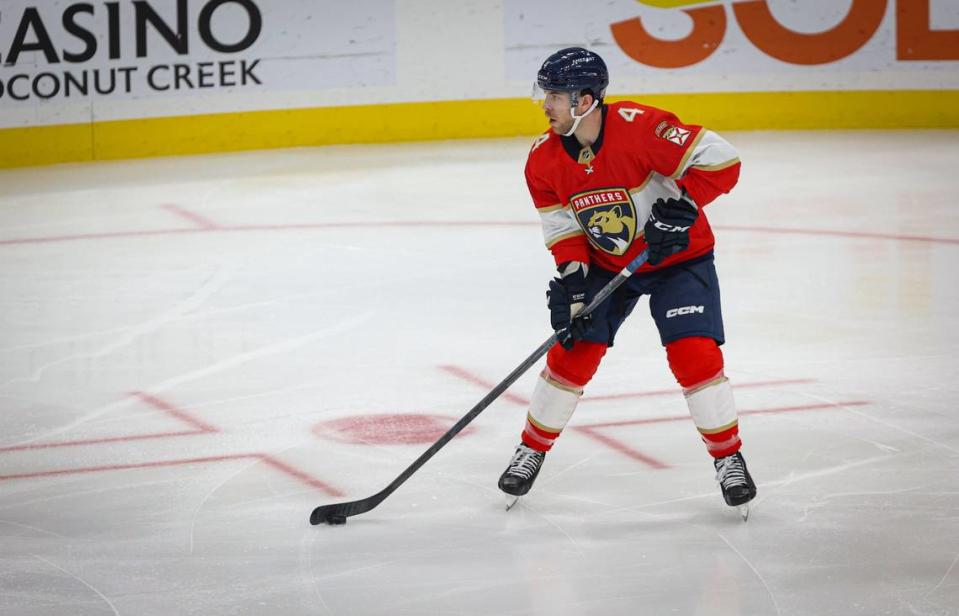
668 228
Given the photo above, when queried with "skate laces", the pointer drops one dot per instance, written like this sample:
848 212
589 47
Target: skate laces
525 462
730 471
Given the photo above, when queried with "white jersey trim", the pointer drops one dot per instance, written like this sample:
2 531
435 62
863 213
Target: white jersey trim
558 225
655 187
710 152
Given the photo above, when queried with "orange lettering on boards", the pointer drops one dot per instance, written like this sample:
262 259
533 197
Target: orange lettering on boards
778 41
709 28
915 38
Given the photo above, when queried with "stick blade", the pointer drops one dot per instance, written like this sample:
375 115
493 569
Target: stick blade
338 512
326 513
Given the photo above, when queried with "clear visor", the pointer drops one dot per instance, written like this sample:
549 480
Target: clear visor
557 97
539 94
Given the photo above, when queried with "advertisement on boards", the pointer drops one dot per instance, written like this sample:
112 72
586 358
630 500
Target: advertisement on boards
746 45
65 52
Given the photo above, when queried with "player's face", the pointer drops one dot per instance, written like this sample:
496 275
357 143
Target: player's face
556 108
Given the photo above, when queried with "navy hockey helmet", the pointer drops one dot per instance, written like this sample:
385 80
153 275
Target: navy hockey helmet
574 70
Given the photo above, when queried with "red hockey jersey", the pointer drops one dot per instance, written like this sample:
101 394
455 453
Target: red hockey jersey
594 201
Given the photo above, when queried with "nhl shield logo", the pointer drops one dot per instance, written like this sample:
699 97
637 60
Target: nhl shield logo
609 218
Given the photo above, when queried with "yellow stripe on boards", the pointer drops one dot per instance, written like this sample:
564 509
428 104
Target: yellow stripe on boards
392 122
44 145
675 4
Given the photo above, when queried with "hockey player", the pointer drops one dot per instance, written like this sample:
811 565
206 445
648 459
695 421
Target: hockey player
608 181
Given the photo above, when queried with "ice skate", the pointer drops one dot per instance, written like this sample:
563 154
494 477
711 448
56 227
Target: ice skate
519 476
736 483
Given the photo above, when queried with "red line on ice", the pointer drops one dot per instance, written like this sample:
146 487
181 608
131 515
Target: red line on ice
621 447
173 411
197 427
99 441
193 217
769 411
677 391
122 467
466 375
593 430
269 460
866 235
443 223
298 474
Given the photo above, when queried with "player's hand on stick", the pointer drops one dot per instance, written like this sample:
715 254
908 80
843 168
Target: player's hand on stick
667 230
566 298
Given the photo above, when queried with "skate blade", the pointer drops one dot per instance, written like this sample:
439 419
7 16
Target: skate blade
744 511
510 501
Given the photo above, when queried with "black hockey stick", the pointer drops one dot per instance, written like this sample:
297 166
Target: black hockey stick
338 512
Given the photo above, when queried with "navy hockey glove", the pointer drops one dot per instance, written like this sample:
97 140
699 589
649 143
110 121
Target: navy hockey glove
567 298
667 230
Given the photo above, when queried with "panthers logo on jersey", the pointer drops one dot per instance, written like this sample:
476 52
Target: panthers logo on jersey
609 218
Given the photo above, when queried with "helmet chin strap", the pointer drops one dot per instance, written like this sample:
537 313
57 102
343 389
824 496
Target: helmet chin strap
579 118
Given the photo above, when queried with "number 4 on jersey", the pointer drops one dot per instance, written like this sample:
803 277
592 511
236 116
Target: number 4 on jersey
629 113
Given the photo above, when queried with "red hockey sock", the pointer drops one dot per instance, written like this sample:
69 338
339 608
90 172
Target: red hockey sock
537 438
722 444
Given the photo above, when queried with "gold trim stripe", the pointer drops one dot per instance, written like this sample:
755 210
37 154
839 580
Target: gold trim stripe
565 236
573 390
719 429
529 417
551 208
719 380
719 167
511 117
641 186
688 154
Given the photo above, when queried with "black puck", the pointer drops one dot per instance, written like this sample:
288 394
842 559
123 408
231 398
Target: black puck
335 520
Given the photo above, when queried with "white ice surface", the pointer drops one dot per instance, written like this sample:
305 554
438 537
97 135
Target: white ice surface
177 335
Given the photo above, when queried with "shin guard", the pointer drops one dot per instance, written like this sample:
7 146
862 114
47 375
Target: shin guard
697 364
550 408
558 391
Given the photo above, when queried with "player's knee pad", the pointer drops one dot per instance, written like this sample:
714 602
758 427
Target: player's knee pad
694 360
576 366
